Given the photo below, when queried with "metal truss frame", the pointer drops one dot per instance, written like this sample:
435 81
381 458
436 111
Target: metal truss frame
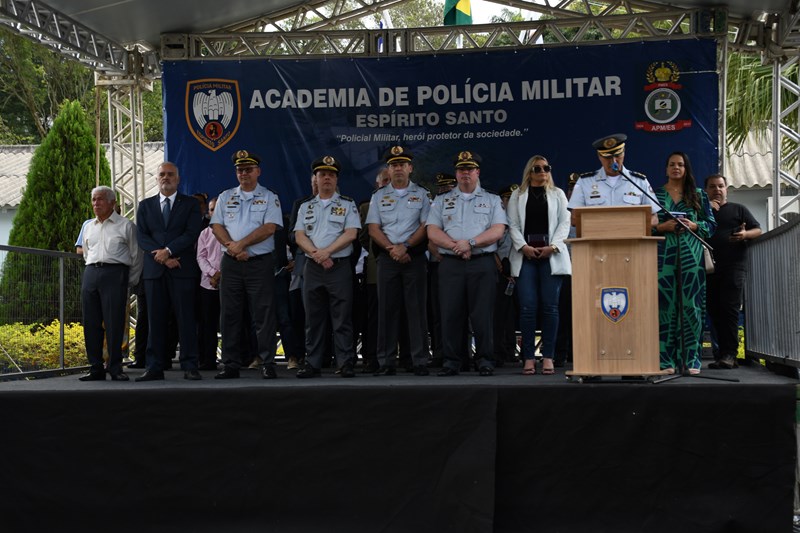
126 134
304 31
574 30
786 169
45 25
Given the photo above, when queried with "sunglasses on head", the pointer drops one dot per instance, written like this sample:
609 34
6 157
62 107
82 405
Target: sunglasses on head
538 168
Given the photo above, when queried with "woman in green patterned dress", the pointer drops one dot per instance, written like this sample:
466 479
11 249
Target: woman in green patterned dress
681 272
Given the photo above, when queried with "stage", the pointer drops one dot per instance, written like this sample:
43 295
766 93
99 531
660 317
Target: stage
504 453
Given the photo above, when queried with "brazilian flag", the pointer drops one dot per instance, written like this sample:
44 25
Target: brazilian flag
457 12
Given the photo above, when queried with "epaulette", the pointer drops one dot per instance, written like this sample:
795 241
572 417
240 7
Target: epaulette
347 198
587 174
638 174
273 192
382 187
490 191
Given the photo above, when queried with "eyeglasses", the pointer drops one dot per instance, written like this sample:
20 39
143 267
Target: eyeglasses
245 170
538 169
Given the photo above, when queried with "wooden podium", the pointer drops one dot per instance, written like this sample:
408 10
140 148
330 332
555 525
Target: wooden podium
614 293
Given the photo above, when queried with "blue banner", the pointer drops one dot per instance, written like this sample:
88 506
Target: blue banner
506 106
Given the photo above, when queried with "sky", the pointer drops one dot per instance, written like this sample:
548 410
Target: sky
482 12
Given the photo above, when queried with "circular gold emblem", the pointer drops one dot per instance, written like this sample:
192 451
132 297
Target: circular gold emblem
610 143
328 160
464 156
397 150
241 154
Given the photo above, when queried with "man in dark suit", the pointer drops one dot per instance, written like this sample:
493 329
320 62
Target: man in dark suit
168 226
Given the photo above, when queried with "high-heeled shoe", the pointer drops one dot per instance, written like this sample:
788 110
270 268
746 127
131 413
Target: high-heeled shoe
529 370
548 370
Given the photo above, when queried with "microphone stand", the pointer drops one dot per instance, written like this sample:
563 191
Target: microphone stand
704 244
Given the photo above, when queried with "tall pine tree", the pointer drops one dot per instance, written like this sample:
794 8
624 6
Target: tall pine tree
54 205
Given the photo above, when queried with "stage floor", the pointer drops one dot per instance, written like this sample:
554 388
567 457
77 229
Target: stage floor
505 453
510 374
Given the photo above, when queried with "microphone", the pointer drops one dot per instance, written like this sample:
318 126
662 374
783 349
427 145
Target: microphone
615 166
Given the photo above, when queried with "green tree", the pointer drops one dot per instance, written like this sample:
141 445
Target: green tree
54 205
34 81
153 109
749 98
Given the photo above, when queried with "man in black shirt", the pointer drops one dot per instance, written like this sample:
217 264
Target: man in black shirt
735 226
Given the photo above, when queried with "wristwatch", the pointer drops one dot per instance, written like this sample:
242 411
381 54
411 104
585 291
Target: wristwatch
555 248
472 243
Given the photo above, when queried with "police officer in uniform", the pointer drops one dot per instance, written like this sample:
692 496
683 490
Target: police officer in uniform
396 220
465 224
610 185
245 222
325 230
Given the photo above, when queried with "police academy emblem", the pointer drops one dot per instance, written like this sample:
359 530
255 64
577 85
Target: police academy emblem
213 111
614 303
663 103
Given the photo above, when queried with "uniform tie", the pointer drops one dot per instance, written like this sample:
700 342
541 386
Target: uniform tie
165 211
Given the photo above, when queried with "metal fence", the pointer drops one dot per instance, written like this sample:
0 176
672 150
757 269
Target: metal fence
772 302
40 311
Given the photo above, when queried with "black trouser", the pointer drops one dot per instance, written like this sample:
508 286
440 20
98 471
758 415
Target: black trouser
505 323
723 302
465 288
564 335
249 284
207 326
104 295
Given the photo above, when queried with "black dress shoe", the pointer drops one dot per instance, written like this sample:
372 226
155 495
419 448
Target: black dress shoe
192 375
93 376
486 371
119 376
268 372
207 366
228 373
447 371
435 362
151 375
347 371
137 364
370 367
307 371
385 371
421 370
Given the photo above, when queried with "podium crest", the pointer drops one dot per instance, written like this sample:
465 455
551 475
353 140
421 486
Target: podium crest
614 303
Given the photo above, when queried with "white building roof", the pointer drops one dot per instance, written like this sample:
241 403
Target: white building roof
751 165
15 160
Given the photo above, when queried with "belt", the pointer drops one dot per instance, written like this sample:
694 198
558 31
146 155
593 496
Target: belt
334 259
251 258
473 256
106 265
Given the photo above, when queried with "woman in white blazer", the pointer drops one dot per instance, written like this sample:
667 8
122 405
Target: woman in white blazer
538 222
